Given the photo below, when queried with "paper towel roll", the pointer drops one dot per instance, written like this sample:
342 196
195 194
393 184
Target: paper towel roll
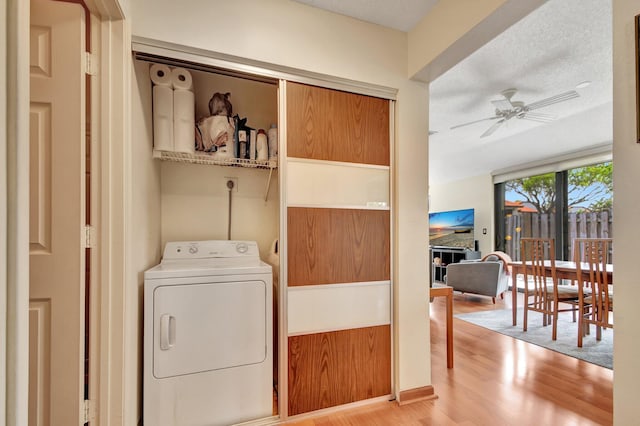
163 118
181 79
183 121
160 75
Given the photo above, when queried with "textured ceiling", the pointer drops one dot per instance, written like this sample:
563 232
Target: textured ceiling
550 51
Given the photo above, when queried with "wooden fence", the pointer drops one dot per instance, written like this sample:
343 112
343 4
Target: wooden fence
542 225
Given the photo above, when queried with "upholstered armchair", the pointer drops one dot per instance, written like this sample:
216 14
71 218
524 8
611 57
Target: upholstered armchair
487 277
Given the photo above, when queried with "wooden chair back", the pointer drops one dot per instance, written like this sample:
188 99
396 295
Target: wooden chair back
537 251
591 257
538 278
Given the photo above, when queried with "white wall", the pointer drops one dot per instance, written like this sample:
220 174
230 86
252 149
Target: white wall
287 33
195 203
472 193
626 175
280 32
253 100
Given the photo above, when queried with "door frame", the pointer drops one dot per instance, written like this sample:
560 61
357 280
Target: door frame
112 357
110 352
14 201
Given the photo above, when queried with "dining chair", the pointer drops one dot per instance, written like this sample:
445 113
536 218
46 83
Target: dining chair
595 306
542 292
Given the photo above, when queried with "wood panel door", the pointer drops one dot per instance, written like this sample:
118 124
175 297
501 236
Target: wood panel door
334 368
57 213
325 124
338 247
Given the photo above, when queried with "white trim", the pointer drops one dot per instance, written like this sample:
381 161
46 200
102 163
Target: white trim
337 184
392 246
334 329
283 301
340 408
105 8
336 163
595 155
328 308
340 206
5 390
273 420
15 232
219 60
95 356
115 137
131 295
342 285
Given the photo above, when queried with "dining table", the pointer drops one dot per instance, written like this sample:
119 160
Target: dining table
565 270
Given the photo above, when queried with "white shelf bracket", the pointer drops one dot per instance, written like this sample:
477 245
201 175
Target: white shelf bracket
266 190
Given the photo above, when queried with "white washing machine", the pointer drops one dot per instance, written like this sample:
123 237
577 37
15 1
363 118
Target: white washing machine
208 335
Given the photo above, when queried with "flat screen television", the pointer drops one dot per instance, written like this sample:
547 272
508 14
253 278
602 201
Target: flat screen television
452 228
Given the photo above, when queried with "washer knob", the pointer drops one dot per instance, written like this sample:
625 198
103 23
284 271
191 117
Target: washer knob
242 248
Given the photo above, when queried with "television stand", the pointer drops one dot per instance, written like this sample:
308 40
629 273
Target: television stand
443 256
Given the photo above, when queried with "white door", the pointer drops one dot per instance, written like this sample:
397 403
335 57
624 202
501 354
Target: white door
57 213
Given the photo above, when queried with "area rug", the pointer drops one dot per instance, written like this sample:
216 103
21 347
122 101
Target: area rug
593 351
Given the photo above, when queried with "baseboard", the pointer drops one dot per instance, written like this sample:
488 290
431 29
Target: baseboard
387 399
417 394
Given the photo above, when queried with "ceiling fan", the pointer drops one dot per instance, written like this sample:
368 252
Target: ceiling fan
506 109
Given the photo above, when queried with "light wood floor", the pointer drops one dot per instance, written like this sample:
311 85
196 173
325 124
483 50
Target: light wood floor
496 380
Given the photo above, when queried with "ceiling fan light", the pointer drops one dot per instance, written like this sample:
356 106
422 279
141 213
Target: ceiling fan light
583 84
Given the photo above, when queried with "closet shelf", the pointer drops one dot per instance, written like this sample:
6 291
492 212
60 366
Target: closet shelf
204 158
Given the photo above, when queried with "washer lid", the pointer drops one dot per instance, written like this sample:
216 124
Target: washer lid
203 268
214 257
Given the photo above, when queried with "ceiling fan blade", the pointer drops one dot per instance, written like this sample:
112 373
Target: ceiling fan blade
552 100
493 128
474 122
538 116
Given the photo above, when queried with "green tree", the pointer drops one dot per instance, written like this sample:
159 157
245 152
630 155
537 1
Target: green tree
589 188
540 191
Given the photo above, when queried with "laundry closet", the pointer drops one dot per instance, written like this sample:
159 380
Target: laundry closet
194 194
320 211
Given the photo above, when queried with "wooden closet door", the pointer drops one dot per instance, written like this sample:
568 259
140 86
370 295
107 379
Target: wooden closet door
338 248
325 124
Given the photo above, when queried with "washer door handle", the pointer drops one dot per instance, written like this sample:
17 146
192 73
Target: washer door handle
167 331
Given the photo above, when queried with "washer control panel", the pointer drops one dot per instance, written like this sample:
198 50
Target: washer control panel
183 250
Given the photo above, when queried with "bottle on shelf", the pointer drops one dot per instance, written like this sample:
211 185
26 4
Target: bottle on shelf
272 136
261 146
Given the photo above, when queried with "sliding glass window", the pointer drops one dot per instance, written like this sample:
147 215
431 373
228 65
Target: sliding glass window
564 205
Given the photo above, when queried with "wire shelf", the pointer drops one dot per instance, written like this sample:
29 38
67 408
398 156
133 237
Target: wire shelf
208 159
